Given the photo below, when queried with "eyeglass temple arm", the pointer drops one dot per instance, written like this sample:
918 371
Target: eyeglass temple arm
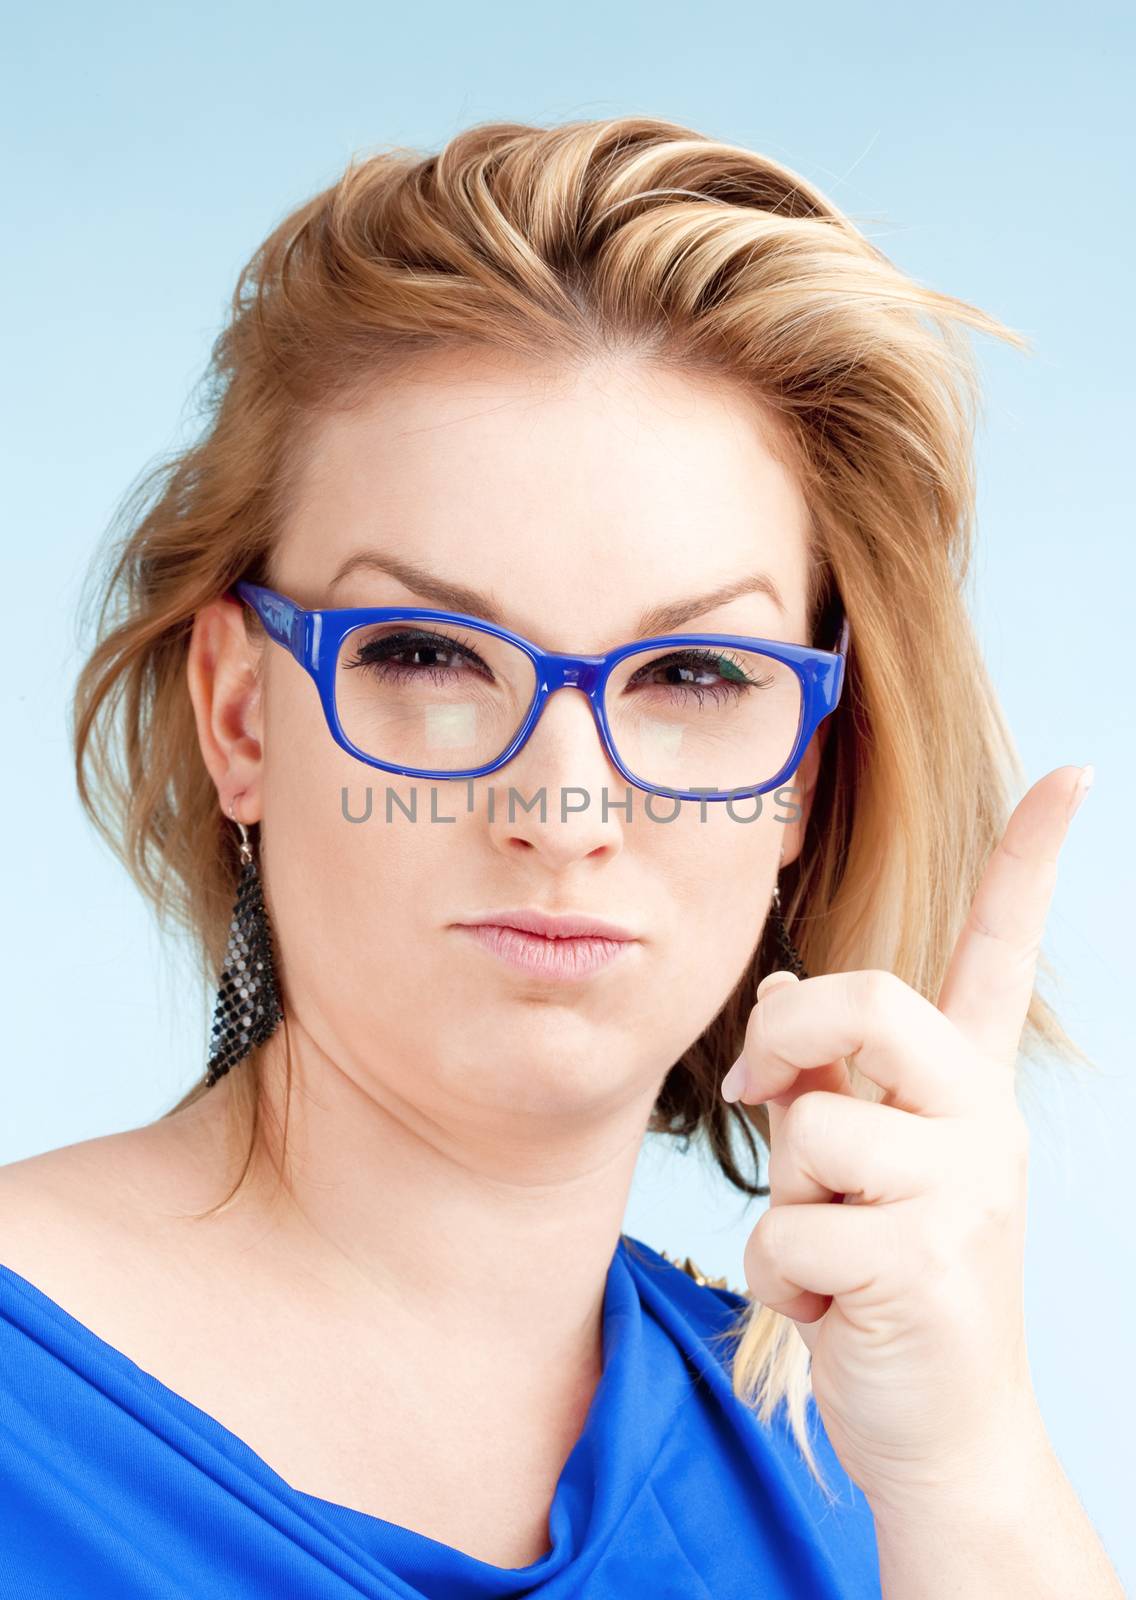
282 620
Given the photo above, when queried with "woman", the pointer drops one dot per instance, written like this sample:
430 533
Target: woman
356 1316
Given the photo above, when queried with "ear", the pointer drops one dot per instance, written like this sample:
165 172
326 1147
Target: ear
223 671
803 787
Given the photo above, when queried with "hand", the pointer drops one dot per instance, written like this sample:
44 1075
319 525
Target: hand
912 1310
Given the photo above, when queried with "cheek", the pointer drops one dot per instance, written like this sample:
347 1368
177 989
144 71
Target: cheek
350 910
342 880
717 876
304 774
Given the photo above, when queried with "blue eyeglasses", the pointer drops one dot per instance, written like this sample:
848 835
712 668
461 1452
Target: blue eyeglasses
713 716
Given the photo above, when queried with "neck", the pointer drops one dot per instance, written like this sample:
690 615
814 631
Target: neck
500 1224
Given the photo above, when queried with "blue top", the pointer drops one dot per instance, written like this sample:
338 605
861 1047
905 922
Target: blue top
113 1487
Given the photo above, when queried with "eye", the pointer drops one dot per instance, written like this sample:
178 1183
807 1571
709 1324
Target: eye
440 656
701 672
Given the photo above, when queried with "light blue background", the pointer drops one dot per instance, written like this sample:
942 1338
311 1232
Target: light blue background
148 149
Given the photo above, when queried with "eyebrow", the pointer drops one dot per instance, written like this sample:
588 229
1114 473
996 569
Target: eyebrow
451 596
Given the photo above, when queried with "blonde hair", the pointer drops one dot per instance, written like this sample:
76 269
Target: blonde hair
631 237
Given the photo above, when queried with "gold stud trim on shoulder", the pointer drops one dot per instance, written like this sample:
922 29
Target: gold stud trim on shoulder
693 1271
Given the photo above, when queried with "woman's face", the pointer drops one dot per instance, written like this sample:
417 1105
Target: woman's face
577 504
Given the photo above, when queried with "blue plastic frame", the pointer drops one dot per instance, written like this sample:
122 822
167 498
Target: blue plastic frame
314 638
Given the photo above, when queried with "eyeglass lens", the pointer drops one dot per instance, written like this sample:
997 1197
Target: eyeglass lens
447 698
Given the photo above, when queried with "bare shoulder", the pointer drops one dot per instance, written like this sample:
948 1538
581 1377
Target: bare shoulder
93 1223
61 1190
110 1230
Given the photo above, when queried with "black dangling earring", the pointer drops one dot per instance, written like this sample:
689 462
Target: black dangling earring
248 1010
790 956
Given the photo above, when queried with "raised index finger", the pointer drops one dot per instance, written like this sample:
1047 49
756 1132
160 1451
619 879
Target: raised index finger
990 980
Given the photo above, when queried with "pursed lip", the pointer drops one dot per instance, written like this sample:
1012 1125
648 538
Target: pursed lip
564 925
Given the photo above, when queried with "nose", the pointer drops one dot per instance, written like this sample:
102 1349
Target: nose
558 796
565 750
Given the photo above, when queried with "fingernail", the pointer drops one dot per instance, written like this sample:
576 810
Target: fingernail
735 1080
781 973
1084 784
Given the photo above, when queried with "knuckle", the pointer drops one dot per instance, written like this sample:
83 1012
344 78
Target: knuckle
760 1038
878 1005
756 1264
877 990
749 1037
804 1127
759 1019
762 1245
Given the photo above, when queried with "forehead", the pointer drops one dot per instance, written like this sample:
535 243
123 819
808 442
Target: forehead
573 495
